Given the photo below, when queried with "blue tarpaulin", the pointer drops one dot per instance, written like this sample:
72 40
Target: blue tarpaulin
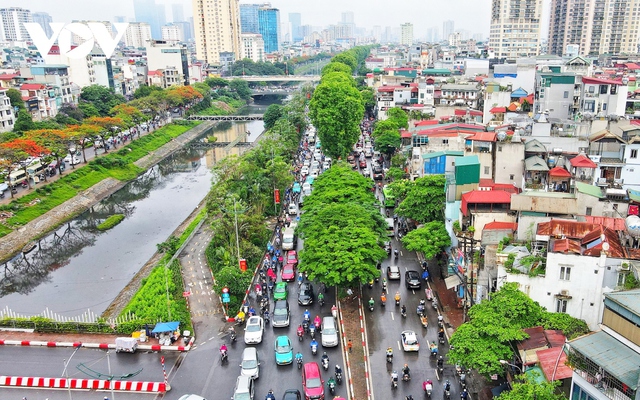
165 327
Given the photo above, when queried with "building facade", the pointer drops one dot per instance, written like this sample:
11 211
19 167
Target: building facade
43 19
7 117
447 29
269 26
249 18
12 27
153 14
406 34
171 58
172 33
137 35
252 47
515 28
216 30
295 19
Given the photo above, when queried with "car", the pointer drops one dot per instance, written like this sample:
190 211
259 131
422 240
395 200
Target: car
244 389
306 188
329 332
325 166
280 318
412 279
314 173
363 163
312 382
365 171
410 341
250 365
191 397
253 331
304 170
305 297
393 272
310 179
292 209
296 188
328 160
292 394
280 291
288 273
284 350
378 176
292 257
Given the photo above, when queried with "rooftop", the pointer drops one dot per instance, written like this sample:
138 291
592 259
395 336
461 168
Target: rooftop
484 197
629 299
591 190
453 153
582 161
501 226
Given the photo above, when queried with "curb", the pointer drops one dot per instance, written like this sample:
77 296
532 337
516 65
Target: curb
365 345
83 384
345 352
104 346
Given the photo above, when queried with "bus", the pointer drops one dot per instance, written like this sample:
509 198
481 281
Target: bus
389 199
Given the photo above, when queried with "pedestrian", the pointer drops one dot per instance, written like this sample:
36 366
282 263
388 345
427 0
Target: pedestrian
350 346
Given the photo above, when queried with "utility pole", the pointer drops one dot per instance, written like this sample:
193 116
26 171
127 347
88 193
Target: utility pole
235 214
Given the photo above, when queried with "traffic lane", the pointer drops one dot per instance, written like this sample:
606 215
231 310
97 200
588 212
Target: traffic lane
49 362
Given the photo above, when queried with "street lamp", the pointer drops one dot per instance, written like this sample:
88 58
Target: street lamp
505 362
66 364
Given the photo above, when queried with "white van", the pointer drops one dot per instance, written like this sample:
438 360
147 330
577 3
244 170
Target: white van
329 332
288 239
390 227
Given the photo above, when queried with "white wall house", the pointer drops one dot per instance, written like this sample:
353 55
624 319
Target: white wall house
603 97
7 117
459 95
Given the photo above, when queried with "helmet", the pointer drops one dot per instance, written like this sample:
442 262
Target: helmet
406 365
324 353
337 366
441 357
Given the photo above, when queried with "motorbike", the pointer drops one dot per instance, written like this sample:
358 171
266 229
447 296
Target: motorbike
420 310
325 364
428 388
301 334
223 355
424 321
267 319
441 339
397 298
299 362
383 300
440 370
332 387
339 377
447 392
321 301
434 349
233 335
403 313
395 254
463 381
312 331
394 383
389 357
428 294
314 349
406 377
305 325
434 304
370 306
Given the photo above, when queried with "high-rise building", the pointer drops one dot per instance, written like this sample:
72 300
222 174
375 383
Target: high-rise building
252 46
348 21
515 28
137 35
376 32
177 12
172 33
217 31
596 26
347 17
12 27
171 60
295 19
269 22
186 29
43 19
153 14
116 19
406 34
249 18
448 28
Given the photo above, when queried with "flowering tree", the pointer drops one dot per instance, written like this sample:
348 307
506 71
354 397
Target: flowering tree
55 140
83 136
108 127
19 149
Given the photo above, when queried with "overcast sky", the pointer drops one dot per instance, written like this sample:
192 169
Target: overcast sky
470 15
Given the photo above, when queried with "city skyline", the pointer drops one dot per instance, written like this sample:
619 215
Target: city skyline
474 16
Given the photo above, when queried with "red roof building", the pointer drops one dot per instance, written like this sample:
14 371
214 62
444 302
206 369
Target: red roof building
498 110
489 201
600 81
461 113
489 184
483 137
32 86
426 122
501 226
582 161
559 172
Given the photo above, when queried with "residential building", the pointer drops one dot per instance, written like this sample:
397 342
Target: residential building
249 22
186 29
43 19
252 46
515 28
217 31
12 27
171 58
406 34
558 93
447 29
78 40
55 77
7 116
165 77
40 100
459 95
606 362
153 14
454 39
509 162
602 97
137 35
172 33
269 25
295 19
594 26
629 175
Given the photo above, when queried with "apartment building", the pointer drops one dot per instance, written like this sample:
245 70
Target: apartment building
594 26
7 117
171 58
406 34
12 27
515 28
217 29
40 100
137 35
252 46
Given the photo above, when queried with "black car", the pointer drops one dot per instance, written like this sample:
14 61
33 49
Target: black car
280 316
306 297
412 279
292 394
378 176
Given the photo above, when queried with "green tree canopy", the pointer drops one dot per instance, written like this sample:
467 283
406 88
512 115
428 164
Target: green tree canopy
346 59
335 66
271 115
216 82
241 87
398 117
530 389
430 239
23 122
338 78
368 97
422 200
145 90
16 98
102 98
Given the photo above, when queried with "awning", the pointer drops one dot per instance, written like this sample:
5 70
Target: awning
452 281
165 327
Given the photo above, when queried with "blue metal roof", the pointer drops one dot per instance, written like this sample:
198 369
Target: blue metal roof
520 92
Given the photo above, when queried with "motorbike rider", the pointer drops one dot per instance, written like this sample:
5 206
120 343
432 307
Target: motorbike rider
383 298
464 395
298 356
389 351
384 284
223 348
331 382
307 315
403 310
240 316
313 344
338 370
252 311
427 383
300 330
406 370
270 395
397 297
371 302
447 386
320 297
394 377
440 362
325 357
441 333
317 321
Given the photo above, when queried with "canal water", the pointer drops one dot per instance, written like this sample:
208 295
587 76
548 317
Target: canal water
77 268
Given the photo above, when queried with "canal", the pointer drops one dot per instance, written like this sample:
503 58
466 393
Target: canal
78 268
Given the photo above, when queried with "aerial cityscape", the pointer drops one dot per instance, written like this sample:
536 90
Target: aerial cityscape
211 199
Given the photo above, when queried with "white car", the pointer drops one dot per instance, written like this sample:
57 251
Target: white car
410 341
325 166
293 209
304 170
306 188
253 331
250 365
314 173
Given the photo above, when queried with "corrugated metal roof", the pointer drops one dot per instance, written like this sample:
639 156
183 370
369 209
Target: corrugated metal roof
612 355
535 163
617 224
536 339
591 190
498 225
484 197
548 359
582 161
629 299
606 136
468 160
634 195
453 153
567 246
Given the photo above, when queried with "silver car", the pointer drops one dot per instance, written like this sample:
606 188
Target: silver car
244 389
329 332
250 363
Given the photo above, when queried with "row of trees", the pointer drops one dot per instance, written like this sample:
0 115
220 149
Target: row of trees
244 189
387 133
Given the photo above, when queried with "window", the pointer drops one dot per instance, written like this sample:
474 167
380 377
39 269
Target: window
588 212
614 89
603 89
561 306
445 141
566 94
634 153
511 177
565 273
604 106
622 277
486 170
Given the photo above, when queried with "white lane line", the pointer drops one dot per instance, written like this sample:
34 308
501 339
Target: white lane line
392 318
399 348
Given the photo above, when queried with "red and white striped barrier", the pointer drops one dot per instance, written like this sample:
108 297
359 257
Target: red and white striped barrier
105 346
84 384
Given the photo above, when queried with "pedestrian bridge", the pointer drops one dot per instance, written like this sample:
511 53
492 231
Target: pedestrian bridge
276 78
250 117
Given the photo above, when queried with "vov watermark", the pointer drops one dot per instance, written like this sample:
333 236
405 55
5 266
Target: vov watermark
91 32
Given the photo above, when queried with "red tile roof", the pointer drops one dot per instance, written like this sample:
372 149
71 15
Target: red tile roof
405 133
582 161
427 122
473 113
632 66
489 183
8 77
501 226
559 172
155 72
600 81
32 86
483 137
484 197
498 110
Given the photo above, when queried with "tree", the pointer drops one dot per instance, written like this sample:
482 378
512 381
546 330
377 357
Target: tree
101 97
83 135
395 173
109 126
368 97
215 83
388 143
241 87
398 117
336 67
16 98
423 200
55 140
430 239
347 59
145 90
129 114
336 110
271 115
23 122
19 149
525 388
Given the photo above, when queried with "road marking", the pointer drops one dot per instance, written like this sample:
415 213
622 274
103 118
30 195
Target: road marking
437 374
399 348
393 319
413 291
